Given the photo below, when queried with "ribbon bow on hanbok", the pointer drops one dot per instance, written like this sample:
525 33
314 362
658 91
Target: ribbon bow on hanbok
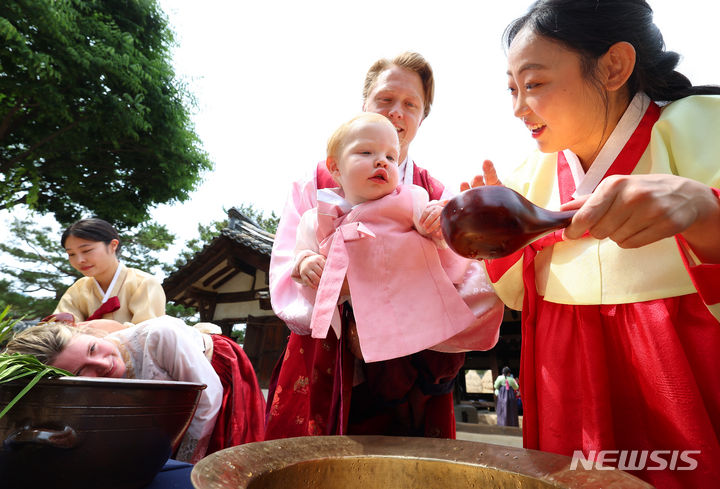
403 301
330 219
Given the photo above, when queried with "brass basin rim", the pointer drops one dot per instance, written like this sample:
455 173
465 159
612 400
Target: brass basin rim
398 457
247 462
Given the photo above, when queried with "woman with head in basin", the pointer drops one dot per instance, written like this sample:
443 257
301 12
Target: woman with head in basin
319 387
108 289
231 409
620 313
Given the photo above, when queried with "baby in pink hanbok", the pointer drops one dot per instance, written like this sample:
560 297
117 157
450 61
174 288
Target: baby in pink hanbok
366 243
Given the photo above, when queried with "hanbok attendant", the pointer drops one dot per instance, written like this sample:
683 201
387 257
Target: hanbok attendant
368 231
109 290
318 387
625 303
506 402
231 410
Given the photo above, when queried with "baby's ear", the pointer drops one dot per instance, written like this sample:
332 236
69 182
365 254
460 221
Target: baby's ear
332 166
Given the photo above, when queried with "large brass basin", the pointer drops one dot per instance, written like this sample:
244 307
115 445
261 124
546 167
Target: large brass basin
378 462
91 433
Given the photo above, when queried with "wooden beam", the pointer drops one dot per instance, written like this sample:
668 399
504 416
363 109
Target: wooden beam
219 250
212 278
236 261
207 311
199 293
225 279
253 319
244 296
204 302
255 259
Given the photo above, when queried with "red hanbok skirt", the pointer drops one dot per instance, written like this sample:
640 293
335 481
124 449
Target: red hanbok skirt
312 392
640 376
241 418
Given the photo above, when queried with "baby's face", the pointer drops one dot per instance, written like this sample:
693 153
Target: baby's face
368 162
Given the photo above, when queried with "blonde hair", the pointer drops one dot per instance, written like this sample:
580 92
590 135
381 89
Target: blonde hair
338 139
410 61
46 341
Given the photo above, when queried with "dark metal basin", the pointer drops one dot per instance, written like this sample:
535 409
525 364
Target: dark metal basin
80 432
377 462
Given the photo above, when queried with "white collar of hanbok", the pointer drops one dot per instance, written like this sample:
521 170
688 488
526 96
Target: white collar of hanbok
108 293
332 197
406 170
585 183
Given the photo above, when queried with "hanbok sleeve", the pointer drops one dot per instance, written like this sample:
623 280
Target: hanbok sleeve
289 300
178 349
479 294
705 276
148 301
306 243
74 301
473 286
420 200
685 136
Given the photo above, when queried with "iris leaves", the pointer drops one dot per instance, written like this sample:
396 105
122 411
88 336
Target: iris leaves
15 366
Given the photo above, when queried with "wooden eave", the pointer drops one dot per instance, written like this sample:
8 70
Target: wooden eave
242 247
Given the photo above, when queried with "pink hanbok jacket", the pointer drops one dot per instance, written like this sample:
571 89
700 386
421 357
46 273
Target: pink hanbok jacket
293 303
402 284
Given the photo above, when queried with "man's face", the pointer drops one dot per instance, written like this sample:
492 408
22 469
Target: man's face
398 95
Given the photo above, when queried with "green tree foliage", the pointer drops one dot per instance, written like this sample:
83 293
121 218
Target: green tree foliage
206 233
269 224
39 269
91 114
32 307
6 326
238 335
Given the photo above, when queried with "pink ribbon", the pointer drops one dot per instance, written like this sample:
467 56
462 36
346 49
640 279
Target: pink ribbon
333 275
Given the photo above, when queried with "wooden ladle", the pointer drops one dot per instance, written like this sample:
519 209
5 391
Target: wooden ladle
495 221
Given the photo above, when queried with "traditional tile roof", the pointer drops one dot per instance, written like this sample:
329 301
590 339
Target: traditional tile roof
245 231
242 242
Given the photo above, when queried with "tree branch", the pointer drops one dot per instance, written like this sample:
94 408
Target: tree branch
35 146
5 124
8 205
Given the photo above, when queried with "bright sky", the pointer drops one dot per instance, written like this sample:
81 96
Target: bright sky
274 78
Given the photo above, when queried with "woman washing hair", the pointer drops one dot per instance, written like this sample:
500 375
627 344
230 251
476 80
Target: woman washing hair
109 289
231 410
